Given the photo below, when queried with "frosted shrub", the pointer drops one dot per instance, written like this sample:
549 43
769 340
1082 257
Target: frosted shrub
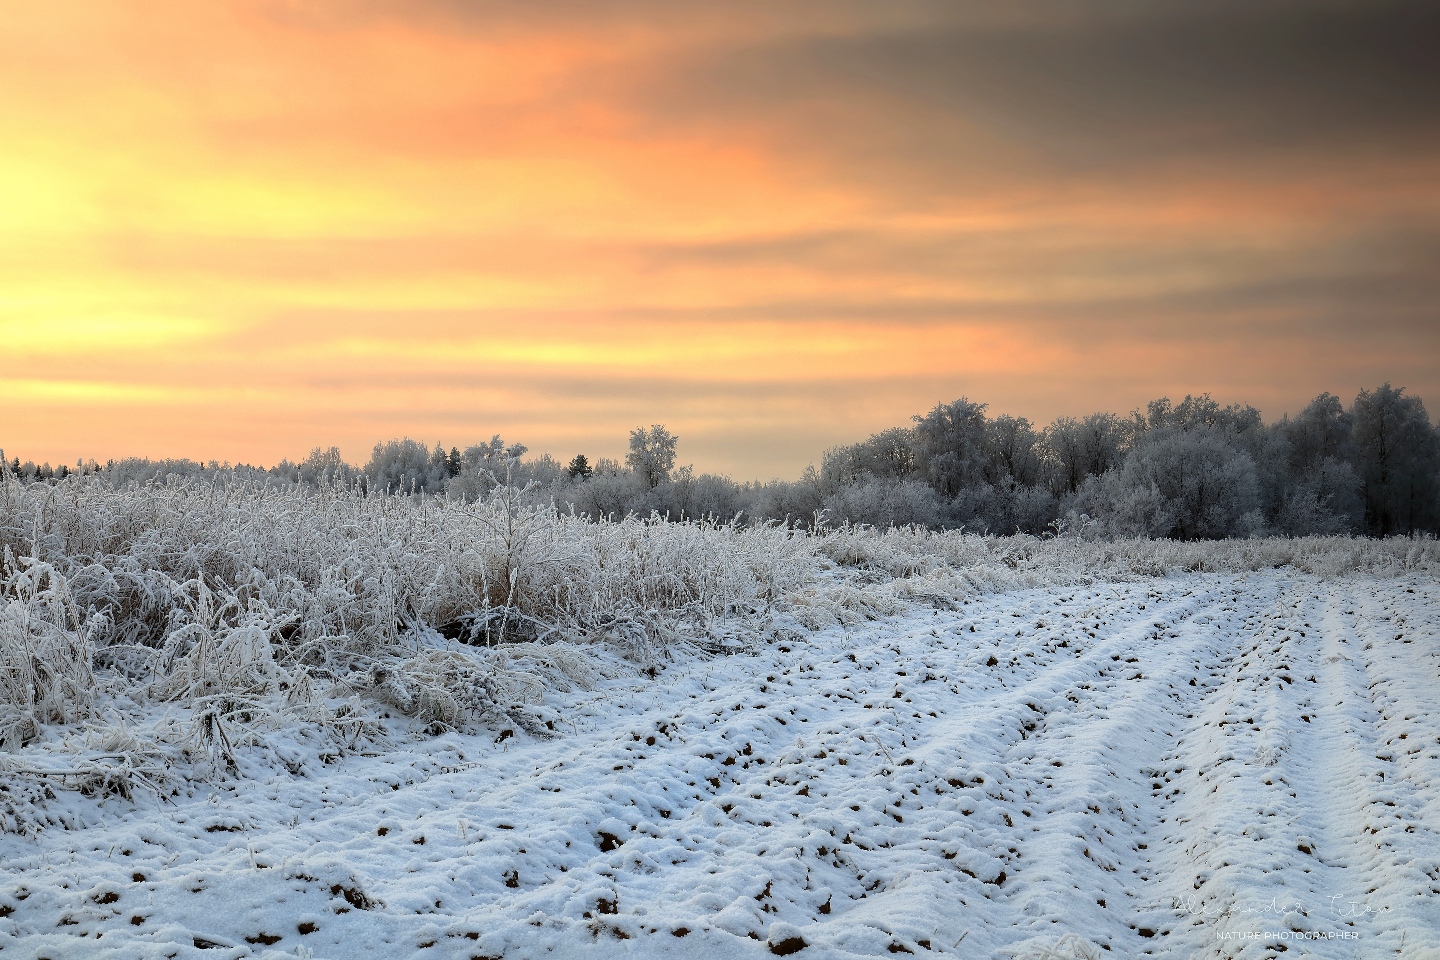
45 672
885 503
206 656
1186 485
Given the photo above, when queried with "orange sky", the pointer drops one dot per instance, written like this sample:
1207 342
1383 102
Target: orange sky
238 230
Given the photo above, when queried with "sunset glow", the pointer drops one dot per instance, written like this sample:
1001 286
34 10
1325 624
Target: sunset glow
239 230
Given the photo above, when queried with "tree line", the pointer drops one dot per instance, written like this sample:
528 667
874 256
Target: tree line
1189 470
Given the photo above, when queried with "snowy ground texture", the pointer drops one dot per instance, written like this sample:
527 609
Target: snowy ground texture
1204 765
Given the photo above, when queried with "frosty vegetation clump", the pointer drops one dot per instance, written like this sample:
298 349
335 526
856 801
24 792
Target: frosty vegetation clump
45 661
241 608
224 609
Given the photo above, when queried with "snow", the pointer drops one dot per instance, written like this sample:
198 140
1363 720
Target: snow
1199 765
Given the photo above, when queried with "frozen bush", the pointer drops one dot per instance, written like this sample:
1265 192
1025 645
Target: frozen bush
885 503
406 466
45 672
685 496
796 503
608 494
1185 485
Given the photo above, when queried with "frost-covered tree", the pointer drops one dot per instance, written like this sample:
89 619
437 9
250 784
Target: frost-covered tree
1194 413
608 494
652 453
484 456
326 466
889 453
1011 449
1072 450
484 466
1004 495
1321 490
1238 425
1318 433
1396 457
1323 500
140 470
951 446
1003 508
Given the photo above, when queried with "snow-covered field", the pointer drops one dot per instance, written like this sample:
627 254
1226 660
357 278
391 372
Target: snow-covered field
1226 765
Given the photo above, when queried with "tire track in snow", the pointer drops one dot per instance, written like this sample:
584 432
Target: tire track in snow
1109 800
1399 833
1237 823
1280 820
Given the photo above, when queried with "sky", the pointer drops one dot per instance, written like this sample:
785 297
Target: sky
241 229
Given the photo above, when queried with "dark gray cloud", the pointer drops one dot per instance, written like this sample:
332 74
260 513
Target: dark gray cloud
1121 87
683 20
960 98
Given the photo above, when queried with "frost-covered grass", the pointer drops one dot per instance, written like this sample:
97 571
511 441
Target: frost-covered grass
200 616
